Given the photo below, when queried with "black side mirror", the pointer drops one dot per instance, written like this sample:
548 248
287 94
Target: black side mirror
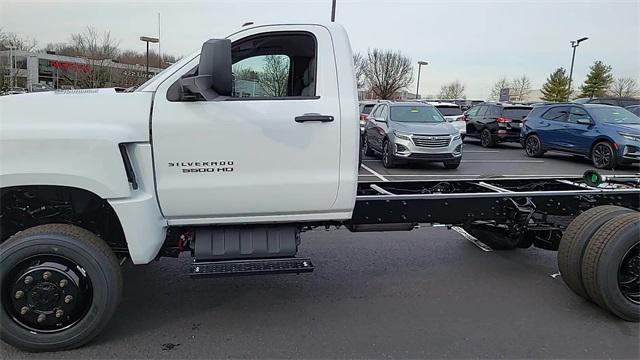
213 78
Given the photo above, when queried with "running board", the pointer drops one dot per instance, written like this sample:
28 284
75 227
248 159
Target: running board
251 267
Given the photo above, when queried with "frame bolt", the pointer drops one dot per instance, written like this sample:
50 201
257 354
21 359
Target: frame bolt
28 280
41 318
46 275
59 313
24 310
19 294
63 283
68 299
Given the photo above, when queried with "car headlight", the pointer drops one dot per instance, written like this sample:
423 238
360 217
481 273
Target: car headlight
632 137
402 135
456 137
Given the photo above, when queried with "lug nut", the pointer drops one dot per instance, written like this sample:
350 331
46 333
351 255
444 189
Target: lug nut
41 318
46 275
24 310
19 294
28 280
68 299
59 313
63 283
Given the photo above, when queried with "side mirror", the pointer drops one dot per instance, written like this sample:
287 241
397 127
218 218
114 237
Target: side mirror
379 119
584 121
213 78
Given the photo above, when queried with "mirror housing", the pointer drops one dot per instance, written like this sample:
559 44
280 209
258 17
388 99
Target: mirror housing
584 121
213 79
379 119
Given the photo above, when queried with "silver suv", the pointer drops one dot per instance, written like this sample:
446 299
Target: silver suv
411 131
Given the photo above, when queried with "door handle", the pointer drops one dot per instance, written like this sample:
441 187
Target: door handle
313 117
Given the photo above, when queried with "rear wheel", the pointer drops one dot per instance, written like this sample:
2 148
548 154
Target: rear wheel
486 139
60 286
533 146
611 266
388 160
603 156
575 240
453 164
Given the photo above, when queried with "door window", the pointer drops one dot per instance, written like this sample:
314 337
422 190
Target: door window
577 113
558 113
482 111
384 113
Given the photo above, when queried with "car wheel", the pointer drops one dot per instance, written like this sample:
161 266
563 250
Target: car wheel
486 139
533 146
366 148
61 285
451 164
388 160
603 156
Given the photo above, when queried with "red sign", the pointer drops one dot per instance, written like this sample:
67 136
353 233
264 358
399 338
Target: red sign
69 66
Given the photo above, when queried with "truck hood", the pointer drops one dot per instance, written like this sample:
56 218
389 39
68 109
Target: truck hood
88 113
443 128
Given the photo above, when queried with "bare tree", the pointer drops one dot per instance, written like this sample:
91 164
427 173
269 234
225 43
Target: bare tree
502 83
15 41
624 87
452 90
360 64
387 72
274 75
520 87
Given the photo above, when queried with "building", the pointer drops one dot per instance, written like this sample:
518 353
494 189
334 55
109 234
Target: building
32 70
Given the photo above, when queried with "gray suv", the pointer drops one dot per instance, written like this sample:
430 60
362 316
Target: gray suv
411 131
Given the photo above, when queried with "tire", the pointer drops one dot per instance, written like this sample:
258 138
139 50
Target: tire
614 248
495 238
388 161
367 148
575 240
451 164
35 251
603 156
533 146
486 139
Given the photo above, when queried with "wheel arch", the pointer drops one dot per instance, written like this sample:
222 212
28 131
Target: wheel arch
600 139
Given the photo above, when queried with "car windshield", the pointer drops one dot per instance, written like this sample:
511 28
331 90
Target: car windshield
614 115
449 110
422 114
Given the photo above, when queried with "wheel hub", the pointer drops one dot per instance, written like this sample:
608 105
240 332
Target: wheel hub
47 293
629 274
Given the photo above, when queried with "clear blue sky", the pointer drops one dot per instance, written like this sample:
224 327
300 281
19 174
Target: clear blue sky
475 42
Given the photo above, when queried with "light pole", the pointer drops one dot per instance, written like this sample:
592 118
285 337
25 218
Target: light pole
11 79
333 10
420 63
574 45
148 40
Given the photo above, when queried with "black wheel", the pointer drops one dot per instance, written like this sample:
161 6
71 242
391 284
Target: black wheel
575 240
388 160
603 156
366 148
453 164
486 139
60 286
495 238
533 146
611 266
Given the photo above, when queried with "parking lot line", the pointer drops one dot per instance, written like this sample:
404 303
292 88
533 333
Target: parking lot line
471 238
374 173
503 161
481 151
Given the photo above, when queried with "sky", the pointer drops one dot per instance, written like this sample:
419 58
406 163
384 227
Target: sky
474 42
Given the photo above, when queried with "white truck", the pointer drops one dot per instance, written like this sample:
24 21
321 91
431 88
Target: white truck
202 161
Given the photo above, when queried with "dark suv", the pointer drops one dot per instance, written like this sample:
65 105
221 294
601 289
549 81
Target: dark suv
495 122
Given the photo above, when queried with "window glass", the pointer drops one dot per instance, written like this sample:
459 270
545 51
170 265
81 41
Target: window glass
635 110
558 113
449 110
423 114
366 109
482 110
614 115
516 113
473 111
493 112
577 113
261 76
384 112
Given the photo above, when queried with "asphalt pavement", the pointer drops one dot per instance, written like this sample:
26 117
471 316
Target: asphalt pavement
428 293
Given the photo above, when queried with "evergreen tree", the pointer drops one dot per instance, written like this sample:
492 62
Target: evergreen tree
598 81
556 88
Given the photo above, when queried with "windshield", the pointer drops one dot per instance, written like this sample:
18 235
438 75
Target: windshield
449 110
422 114
614 115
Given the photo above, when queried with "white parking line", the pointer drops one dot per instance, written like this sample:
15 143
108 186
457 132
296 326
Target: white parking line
472 239
374 173
481 151
502 161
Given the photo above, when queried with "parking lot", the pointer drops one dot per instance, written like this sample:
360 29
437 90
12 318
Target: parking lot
429 293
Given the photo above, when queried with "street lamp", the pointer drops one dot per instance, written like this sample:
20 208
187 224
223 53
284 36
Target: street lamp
574 45
148 40
420 63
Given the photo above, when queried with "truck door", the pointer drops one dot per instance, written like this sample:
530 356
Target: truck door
273 149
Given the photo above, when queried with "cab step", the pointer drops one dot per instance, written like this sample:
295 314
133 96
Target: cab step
251 267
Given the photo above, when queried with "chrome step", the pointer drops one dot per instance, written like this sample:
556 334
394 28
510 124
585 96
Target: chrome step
251 267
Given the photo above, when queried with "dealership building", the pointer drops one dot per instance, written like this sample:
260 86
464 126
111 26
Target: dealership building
35 70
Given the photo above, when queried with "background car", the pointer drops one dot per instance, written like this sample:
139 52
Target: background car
610 100
365 110
634 109
453 114
495 122
411 131
608 135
